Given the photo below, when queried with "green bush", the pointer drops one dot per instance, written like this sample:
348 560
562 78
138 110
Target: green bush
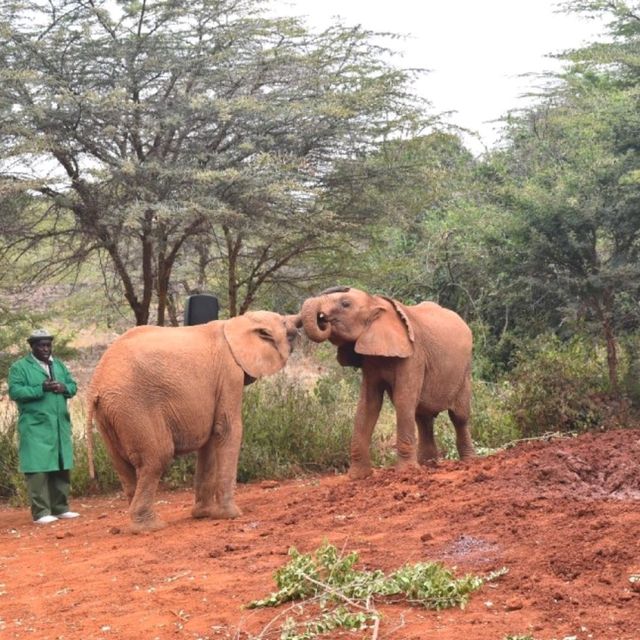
492 421
556 386
12 486
289 430
106 480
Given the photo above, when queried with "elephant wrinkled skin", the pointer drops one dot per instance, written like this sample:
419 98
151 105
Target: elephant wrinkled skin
158 392
420 355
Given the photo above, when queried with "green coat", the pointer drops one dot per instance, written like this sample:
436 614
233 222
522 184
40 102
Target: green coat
44 426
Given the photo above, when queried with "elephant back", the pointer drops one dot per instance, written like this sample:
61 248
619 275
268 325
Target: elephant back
441 325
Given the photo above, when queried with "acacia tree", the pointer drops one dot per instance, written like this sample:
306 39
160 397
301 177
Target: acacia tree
149 127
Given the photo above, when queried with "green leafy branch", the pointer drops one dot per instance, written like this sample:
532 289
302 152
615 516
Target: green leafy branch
332 580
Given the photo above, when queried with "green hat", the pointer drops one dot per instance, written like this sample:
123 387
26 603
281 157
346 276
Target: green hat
39 334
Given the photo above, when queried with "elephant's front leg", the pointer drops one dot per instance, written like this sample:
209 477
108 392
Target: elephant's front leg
218 467
405 432
367 413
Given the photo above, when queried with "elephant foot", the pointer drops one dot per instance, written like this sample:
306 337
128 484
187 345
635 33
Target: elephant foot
428 460
359 472
403 465
146 526
217 512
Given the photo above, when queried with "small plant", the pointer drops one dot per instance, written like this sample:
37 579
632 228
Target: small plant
331 580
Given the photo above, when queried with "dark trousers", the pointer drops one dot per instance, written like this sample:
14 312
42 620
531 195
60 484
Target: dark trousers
48 492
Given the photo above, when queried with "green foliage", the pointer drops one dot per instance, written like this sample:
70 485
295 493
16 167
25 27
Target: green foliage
555 384
290 430
12 486
493 423
631 368
330 575
331 579
492 419
339 618
106 480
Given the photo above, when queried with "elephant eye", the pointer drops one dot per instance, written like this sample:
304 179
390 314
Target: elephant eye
264 333
345 303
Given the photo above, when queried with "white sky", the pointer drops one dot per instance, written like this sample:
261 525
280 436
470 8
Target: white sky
476 50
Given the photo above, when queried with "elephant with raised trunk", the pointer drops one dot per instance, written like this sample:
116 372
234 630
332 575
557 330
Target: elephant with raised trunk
159 392
420 355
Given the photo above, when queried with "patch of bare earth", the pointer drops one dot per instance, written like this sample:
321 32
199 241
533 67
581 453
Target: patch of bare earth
563 516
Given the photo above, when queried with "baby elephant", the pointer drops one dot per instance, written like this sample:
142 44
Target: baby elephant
420 355
159 392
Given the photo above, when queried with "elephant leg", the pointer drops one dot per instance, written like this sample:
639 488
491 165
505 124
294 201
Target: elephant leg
127 474
367 413
125 470
143 517
218 480
427 448
406 435
149 472
459 415
204 480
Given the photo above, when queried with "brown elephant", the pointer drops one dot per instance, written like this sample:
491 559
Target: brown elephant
420 355
159 392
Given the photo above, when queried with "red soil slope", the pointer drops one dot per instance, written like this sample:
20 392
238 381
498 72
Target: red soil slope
563 516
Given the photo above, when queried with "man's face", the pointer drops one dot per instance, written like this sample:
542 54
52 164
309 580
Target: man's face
41 349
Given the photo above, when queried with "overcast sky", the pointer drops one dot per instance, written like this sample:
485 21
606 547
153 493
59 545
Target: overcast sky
476 50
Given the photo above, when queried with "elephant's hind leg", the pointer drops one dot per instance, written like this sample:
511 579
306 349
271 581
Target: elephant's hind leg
460 415
127 474
217 470
125 470
427 448
158 453
143 516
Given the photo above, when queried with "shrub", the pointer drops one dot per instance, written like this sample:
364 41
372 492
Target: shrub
12 486
556 386
290 430
106 480
493 424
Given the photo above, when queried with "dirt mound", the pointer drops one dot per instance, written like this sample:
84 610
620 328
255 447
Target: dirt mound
562 516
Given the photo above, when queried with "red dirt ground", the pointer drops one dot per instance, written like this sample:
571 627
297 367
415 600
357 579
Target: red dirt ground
562 515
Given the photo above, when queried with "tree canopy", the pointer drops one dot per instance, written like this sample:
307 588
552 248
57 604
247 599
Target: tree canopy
163 134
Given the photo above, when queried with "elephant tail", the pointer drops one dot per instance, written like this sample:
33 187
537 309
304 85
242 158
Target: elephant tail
93 401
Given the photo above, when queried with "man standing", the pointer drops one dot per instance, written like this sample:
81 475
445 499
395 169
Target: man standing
41 385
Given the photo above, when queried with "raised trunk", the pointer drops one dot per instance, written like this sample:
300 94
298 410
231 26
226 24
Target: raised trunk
311 319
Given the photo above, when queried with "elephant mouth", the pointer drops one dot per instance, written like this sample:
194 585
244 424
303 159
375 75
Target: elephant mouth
322 321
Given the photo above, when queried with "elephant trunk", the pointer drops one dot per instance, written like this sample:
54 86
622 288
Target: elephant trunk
315 323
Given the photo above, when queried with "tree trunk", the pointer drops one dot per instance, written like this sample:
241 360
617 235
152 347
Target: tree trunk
605 313
233 250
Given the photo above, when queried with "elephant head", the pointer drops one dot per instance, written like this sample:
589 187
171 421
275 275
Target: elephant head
359 324
261 341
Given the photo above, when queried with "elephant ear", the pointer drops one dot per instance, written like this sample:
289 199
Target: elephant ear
389 332
258 342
